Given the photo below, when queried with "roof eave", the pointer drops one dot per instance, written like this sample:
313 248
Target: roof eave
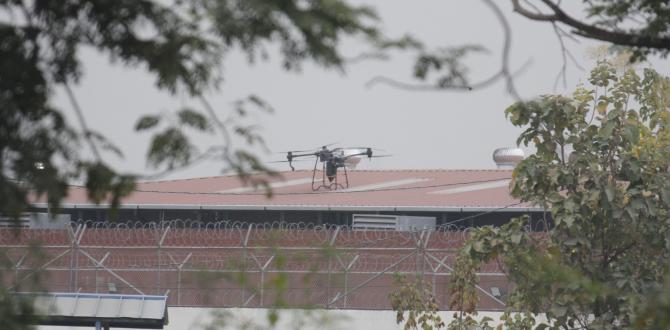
295 207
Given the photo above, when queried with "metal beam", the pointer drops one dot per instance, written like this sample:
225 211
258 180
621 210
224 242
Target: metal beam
112 272
44 266
484 291
346 293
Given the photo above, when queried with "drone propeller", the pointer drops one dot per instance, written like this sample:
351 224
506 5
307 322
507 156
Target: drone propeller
293 151
317 149
361 148
366 156
286 161
329 144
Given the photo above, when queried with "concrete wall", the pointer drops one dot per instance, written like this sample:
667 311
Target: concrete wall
256 318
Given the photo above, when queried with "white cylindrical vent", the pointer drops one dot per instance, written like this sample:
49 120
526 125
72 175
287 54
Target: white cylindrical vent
507 158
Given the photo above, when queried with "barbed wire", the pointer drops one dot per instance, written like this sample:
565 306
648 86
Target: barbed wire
263 231
185 232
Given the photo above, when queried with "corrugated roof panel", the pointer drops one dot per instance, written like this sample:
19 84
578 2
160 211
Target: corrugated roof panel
100 305
474 187
436 189
273 185
385 184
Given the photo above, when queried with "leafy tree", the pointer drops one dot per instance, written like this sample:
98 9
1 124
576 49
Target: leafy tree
601 171
638 28
181 43
641 26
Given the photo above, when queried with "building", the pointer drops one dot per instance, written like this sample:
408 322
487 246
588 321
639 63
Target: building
386 222
462 197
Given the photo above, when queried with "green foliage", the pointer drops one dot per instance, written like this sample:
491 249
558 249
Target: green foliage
147 122
655 311
651 20
447 64
274 287
415 299
103 184
171 147
18 311
601 170
463 321
181 43
319 23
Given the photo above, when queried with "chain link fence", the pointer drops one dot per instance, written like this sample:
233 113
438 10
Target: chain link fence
236 264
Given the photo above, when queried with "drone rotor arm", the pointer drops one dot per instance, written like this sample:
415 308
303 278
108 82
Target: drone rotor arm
354 155
304 155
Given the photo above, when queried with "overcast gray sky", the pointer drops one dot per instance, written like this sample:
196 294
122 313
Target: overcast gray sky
452 130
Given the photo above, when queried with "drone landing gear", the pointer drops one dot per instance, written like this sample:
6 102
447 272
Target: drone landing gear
329 177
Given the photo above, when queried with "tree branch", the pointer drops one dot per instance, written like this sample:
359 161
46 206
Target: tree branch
82 121
507 45
433 88
219 124
532 15
208 154
592 31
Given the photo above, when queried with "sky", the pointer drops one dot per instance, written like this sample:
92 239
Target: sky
421 130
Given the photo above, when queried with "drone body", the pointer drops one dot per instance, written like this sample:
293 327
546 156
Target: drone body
331 161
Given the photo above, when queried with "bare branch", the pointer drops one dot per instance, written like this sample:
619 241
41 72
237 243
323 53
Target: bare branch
532 15
507 45
592 31
82 121
567 35
503 73
564 65
433 88
418 87
366 56
219 124
560 34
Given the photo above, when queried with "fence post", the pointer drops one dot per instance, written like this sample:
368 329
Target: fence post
95 270
76 260
346 276
179 277
17 266
244 263
74 234
424 246
160 245
330 267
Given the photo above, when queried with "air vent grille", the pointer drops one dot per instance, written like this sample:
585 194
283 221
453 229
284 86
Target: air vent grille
392 222
21 222
374 222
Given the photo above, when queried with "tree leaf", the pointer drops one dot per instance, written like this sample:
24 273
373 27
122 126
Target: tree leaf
170 148
147 122
193 119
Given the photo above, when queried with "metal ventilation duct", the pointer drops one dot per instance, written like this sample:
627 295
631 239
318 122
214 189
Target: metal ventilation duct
507 158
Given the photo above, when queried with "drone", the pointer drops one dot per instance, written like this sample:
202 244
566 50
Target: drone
331 161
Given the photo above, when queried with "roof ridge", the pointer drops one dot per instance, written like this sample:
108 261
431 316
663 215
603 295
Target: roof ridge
212 177
426 170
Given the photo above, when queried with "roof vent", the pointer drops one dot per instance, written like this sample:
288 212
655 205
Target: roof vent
392 222
507 158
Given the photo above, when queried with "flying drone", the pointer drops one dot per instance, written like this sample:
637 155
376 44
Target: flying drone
331 160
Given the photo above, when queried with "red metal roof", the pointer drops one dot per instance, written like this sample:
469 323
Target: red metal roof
439 190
